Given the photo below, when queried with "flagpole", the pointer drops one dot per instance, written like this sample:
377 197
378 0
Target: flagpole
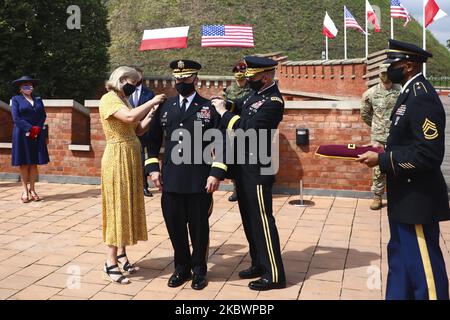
345 38
367 38
326 48
424 38
392 28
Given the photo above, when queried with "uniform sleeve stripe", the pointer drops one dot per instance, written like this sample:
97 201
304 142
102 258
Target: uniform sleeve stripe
232 122
151 160
219 165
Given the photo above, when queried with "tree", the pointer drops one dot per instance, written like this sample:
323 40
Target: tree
35 39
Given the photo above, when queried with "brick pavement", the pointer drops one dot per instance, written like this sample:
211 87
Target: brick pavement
53 249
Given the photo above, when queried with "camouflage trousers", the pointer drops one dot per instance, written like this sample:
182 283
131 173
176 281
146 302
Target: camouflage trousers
378 181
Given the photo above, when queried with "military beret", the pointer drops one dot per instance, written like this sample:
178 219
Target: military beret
399 51
184 68
343 151
384 67
257 65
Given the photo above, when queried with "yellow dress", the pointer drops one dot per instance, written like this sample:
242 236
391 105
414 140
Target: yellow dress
123 209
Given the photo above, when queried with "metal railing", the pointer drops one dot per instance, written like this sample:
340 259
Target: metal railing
440 82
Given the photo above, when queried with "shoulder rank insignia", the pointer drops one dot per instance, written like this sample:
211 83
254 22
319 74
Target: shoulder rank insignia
429 130
276 99
419 88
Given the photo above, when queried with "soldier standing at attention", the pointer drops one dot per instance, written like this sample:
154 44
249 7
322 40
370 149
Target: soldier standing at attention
416 189
259 113
238 90
187 183
376 108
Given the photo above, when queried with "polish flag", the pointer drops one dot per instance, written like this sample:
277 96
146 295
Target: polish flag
168 38
329 29
432 12
372 17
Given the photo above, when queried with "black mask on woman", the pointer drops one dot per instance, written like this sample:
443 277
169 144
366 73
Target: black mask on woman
184 89
256 85
128 89
395 75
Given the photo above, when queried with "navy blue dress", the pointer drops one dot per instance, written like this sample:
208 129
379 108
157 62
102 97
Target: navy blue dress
25 150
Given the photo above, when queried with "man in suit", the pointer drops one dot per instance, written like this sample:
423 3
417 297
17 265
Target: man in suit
189 177
260 113
416 190
139 97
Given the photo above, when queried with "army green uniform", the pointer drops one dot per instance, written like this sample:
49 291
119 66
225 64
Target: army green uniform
376 108
235 92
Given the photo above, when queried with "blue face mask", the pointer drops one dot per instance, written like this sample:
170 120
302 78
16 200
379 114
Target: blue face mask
27 87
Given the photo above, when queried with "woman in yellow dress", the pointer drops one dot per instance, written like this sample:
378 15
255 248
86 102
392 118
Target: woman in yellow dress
123 210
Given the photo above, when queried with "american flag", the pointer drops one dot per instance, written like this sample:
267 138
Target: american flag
227 36
350 21
399 11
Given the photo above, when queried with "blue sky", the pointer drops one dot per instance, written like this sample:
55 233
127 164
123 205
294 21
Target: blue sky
439 28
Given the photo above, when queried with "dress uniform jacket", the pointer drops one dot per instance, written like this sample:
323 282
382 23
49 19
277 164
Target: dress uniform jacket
257 111
168 121
261 110
417 191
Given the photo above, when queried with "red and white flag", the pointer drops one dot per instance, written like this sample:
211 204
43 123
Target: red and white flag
432 12
372 17
329 29
168 38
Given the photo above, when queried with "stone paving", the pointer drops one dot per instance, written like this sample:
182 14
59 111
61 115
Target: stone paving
53 249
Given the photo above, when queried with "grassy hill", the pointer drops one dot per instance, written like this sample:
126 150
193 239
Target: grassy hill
292 26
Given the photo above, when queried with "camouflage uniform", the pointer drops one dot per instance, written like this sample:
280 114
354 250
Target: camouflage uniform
234 92
376 108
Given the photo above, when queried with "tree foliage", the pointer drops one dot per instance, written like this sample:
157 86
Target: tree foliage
35 40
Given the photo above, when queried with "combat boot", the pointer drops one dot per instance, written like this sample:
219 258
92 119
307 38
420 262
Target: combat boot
376 203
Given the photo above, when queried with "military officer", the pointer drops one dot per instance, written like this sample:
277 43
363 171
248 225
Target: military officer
187 182
261 111
416 190
376 108
238 90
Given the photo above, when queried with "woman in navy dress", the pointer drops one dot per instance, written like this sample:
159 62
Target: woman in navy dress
29 147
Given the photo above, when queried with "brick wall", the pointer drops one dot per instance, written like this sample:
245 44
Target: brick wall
327 122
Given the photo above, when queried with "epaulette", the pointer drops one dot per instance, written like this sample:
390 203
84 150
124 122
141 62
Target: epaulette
419 89
278 99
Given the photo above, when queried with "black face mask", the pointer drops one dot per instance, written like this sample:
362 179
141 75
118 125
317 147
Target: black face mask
128 89
395 75
256 85
184 89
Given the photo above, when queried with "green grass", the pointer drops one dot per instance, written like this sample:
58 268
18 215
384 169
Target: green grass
294 27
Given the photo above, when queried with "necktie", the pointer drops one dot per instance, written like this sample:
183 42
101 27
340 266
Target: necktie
183 105
136 97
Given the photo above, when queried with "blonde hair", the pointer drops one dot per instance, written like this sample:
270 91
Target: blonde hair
120 74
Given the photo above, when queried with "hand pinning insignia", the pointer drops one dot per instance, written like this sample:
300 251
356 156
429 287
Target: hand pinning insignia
429 130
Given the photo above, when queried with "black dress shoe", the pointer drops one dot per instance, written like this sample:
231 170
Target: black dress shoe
178 279
147 193
250 273
264 285
199 282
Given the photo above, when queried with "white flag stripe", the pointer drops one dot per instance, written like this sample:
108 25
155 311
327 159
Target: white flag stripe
176 32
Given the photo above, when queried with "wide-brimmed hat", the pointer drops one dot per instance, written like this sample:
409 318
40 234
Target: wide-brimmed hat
23 79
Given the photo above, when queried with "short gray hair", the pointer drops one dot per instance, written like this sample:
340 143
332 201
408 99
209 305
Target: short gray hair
120 74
